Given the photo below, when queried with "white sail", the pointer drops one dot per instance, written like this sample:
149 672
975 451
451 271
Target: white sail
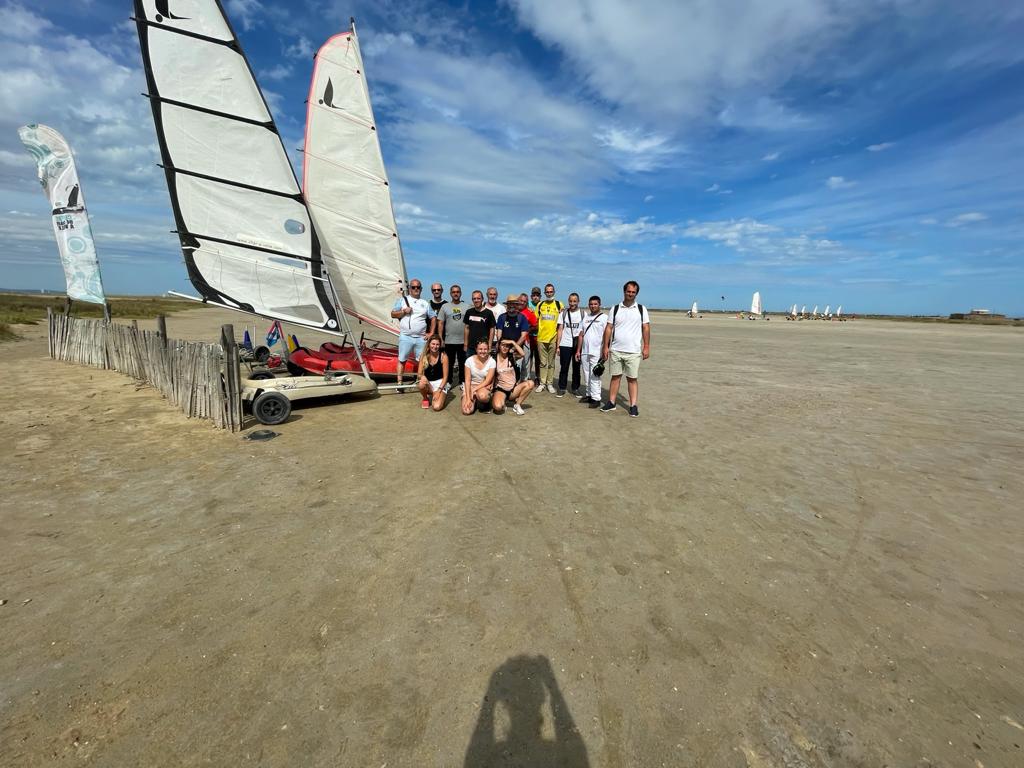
827 306
755 304
243 225
346 186
839 311
815 312
693 309
803 310
793 311
59 179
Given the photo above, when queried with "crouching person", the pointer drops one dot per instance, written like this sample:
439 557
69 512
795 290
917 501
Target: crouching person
433 375
506 387
478 376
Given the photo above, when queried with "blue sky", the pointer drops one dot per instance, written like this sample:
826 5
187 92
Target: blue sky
868 153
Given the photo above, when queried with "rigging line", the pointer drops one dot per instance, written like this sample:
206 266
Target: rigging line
344 167
232 44
368 224
296 196
339 112
224 241
268 124
339 65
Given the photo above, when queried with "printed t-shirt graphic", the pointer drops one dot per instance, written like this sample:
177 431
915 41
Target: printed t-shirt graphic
513 327
451 316
480 323
547 319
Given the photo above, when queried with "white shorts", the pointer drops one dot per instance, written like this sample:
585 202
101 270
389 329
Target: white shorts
435 385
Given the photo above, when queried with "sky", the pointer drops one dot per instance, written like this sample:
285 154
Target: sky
868 153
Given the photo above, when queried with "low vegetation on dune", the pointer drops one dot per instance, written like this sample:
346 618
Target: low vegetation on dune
29 309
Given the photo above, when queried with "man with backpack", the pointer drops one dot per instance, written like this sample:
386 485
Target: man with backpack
589 346
569 327
548 311
627 341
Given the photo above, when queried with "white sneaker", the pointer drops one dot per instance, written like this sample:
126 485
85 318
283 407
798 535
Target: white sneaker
447 388
517 409
551 389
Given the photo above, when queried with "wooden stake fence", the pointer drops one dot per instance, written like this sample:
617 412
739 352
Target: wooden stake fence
200 379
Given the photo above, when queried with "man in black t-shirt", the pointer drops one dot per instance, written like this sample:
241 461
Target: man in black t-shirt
437 299
479 323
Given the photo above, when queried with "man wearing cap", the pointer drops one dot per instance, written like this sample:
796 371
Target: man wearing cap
512 324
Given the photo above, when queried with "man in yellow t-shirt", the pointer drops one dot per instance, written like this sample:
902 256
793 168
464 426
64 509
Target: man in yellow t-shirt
548 311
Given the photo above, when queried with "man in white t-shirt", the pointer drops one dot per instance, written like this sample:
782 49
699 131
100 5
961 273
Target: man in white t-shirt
627 340
496 307
589 348
416 322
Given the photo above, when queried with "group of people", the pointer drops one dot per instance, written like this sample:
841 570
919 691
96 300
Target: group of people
499 353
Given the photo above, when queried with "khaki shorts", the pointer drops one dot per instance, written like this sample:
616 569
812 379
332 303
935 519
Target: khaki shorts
624 363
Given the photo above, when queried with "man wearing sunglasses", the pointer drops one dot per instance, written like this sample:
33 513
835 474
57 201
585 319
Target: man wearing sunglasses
437 299
416 321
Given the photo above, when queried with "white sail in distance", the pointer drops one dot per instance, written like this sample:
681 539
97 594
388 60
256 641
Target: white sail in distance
346 186
827 307
245 233
815 312
803 310
693 309
755 304
59 179
839 311
793 311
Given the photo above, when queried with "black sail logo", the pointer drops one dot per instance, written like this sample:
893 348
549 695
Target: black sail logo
328 98
163 11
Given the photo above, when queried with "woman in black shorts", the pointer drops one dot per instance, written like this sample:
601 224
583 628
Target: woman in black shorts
506 388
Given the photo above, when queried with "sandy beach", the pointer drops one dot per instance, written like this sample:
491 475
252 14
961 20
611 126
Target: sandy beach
804 553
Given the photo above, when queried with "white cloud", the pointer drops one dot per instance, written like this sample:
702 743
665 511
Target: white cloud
302 48
245 11
648 198
838 182
929 220
635 150
18 23
966 218
770 157
717 189
631 56
277 72
767 244
881 147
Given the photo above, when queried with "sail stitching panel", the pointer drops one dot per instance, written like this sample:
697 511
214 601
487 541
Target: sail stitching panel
226 115
339 112
349 168
232 44
297 197
349 217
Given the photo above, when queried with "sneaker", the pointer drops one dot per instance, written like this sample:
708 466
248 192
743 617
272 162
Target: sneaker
586 400
594 404
634 411
462 387
447 388
560 393
608 407
576 393
517 409
425 403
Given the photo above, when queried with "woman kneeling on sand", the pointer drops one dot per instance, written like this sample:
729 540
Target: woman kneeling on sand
506 388
433 375
478 377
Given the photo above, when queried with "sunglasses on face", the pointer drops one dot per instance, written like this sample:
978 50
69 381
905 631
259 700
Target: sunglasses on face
415 287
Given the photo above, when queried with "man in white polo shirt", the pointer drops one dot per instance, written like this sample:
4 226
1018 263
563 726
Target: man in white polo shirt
627 340
416 321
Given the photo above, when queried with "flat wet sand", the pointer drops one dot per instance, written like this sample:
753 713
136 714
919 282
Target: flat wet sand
808 551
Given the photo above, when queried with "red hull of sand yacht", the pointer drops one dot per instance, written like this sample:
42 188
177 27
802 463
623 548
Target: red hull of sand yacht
380 362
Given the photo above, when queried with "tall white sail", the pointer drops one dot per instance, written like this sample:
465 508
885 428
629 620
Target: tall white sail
815 312
693 309
827 307
346 186
59 179
793 311
243 225
755 304
839 311
803 310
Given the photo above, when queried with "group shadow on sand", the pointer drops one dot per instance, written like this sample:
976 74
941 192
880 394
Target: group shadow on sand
511 728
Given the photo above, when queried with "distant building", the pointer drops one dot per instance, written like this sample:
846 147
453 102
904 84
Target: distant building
980 312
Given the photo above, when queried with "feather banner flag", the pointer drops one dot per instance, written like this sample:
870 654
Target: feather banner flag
59 179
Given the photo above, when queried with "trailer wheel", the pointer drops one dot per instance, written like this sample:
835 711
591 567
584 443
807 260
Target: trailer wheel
261 354
271 408
261 375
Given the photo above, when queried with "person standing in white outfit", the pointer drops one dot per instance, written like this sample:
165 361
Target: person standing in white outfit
627 341
589 346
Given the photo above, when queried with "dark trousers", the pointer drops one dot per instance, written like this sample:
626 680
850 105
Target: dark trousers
535 356
456 362
567 355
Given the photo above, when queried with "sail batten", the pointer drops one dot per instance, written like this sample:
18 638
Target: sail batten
346 186
245 231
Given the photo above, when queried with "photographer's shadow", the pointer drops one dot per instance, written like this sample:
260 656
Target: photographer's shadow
512 729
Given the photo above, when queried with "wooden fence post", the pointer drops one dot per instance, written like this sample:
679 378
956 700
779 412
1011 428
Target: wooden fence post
232 380
161 327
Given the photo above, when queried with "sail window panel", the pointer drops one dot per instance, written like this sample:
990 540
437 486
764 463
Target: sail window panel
354 194
200 16
345 142
346 241
244 216
216 146
204 74
271 286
